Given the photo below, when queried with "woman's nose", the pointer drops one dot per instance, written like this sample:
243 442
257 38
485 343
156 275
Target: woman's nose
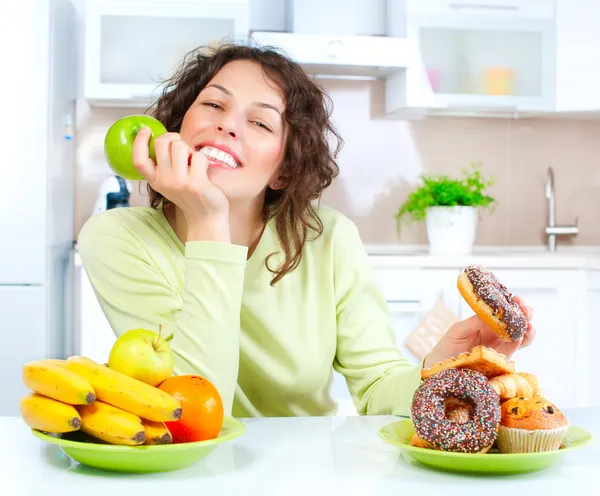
229 130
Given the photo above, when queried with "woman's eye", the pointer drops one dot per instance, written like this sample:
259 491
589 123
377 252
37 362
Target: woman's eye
212 104
260 124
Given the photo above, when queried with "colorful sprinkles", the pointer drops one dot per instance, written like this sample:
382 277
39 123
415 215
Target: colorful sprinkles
488 288
429 415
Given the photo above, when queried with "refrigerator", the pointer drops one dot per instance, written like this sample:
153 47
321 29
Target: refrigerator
38 80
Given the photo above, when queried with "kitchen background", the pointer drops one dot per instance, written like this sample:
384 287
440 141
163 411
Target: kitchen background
412 118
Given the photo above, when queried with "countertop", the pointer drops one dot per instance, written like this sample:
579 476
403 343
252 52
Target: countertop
288 456
509 256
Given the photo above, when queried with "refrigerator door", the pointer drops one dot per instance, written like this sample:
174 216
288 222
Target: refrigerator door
23 311
24 27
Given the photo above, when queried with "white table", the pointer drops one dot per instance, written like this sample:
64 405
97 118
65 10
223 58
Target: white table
283 456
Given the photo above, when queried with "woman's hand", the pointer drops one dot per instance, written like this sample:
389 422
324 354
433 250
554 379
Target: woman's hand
180 176
466 334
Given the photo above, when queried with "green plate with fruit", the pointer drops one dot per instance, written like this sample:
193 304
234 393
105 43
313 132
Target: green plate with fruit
493 462
143 458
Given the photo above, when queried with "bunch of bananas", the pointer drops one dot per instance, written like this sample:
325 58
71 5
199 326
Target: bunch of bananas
78 394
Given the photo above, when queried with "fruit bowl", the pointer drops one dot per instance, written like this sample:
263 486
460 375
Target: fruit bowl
144 458
399 434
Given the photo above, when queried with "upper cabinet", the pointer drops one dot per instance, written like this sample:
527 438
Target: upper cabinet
480 55
505 58
131 46
498 57
577 79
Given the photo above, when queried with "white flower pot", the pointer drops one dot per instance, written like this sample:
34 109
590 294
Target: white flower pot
451 230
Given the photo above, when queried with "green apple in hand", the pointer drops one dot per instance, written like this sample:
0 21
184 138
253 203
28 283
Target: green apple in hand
118 143
143 355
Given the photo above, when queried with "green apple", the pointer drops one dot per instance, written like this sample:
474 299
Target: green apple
118 143
143 355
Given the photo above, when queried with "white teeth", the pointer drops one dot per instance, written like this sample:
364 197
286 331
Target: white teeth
211 151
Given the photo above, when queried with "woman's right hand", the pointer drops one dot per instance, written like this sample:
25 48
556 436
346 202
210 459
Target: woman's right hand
184 182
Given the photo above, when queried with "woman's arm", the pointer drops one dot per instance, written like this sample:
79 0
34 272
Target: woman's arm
201 322
379 378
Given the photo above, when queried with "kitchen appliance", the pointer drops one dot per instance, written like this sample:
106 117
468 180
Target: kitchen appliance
36 186
114 193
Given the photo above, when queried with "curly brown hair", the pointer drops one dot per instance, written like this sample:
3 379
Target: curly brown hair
309 164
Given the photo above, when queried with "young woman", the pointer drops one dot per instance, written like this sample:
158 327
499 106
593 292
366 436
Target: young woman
256 287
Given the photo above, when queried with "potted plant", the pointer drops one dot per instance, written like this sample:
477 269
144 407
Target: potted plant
449 207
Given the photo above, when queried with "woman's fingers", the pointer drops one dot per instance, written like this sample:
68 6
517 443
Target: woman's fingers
527 310
180 153
141 155
162 147
198 167
529 336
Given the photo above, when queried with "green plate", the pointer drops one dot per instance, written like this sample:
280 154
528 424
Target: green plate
399 434
139 459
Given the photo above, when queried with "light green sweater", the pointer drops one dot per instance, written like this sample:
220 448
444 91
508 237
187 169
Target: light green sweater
269 350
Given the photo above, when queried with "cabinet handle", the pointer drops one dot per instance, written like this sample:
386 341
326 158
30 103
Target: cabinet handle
479 6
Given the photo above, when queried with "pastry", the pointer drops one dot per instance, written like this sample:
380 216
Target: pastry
428 411
492 302
530 425
482 359
519 384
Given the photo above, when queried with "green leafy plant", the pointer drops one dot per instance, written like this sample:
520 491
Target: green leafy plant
443 191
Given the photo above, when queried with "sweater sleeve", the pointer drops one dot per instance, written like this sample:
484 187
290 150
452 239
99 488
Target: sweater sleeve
201 322
380 379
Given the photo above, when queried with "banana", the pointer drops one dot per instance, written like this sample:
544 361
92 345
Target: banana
111 424
49 415
50 378
156 432
127 393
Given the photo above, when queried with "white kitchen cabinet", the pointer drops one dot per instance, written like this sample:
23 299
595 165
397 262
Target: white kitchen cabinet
95 336
481 55
577 64
589 342
132 45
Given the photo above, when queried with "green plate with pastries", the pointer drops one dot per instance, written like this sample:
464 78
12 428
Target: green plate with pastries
399 434
144 458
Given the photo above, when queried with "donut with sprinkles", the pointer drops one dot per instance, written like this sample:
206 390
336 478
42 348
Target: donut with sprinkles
492 302
428 411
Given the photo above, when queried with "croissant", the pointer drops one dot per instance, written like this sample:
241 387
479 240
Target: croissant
519 384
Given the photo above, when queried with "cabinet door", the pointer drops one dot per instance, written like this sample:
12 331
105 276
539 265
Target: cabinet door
95 336
131 45
553 356
496 58
23 141
589 342
577 66
23 314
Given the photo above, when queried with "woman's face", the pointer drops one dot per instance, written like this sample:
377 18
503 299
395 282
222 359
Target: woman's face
237 120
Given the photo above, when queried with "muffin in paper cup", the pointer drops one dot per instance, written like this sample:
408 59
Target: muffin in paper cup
530 426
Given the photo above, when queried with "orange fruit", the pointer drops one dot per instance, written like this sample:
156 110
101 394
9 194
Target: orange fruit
201 405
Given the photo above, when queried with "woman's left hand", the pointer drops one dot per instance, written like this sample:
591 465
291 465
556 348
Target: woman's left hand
466 334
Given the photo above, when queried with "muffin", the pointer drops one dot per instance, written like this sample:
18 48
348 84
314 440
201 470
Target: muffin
530 425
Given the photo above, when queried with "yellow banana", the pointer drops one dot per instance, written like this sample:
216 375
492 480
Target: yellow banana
156 432
49 415
51 379
125 392
111 424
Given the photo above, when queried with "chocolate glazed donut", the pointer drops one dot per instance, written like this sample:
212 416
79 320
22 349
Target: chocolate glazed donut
428 411
492 302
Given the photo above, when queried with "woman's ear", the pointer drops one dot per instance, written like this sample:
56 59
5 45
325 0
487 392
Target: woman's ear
279 182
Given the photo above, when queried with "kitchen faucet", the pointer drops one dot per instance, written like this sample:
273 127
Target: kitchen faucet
552 230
